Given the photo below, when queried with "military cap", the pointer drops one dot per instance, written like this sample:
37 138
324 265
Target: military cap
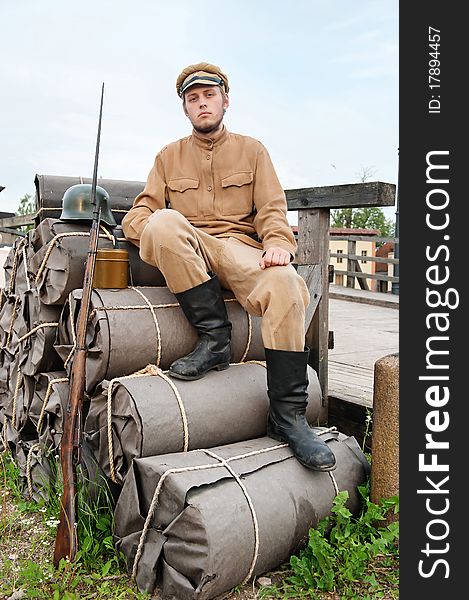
202 73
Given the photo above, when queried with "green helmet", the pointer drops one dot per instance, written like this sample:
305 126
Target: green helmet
77 205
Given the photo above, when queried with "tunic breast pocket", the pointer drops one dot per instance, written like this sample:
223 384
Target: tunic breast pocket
183 195
237 193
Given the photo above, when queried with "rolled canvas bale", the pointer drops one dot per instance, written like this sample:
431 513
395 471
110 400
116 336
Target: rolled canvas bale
10 437
9 360
15 267
154 414
3 297
8 267
60 253
199 523
4 397
12 323
37 344
48 405
38 469
50 190
133 327
21 390
59 257
6 360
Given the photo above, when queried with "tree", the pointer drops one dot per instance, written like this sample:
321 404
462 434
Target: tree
363 218
26 207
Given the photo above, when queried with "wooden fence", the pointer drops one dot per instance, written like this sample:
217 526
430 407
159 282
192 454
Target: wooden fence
354 272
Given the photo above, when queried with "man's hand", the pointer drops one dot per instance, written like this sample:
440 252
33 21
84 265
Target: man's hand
275 257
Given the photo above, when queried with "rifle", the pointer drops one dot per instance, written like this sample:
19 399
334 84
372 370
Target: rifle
66 541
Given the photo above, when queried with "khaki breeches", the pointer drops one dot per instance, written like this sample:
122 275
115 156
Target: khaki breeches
185 254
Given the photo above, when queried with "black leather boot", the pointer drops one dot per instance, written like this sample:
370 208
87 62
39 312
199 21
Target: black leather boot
287 384
205 310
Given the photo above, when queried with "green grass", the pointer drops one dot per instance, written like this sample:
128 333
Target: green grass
27 537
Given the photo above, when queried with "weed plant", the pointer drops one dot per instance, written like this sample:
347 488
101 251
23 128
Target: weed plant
351 557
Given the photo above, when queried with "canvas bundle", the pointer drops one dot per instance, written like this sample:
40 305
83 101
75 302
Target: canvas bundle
18 399
16 268
197 524
149 415
12 323
133 327
37 343
48 405
38 469
27 332
59 252
6 360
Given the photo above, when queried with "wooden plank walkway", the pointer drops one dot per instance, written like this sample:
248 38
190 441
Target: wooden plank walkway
366 328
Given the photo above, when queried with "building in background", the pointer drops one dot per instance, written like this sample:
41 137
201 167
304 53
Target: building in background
386 250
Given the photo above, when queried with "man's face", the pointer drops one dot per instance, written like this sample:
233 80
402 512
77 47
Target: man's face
205 106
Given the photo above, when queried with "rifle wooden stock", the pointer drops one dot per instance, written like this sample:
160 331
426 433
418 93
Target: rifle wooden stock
66 540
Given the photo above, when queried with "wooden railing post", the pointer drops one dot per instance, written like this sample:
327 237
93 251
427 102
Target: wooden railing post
351 263
313 206
313 266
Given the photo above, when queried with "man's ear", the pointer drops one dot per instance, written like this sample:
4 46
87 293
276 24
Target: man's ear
226 101
184 109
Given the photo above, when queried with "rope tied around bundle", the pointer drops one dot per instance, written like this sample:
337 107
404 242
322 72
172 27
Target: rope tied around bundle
14 268
155 321
131 307
19 381
14 314
29 481
36 329
154 371
52 382
25 263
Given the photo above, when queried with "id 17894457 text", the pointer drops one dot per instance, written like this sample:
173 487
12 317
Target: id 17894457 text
434 70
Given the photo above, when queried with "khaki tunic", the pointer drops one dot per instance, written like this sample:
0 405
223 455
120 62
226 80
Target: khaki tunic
215 206
226 187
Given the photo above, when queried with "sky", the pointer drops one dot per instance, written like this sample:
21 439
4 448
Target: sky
316 81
